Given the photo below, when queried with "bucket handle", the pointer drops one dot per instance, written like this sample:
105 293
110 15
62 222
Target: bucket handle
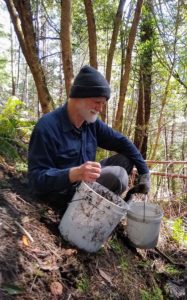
145 200
128 198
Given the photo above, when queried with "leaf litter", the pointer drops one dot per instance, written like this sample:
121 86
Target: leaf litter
50 268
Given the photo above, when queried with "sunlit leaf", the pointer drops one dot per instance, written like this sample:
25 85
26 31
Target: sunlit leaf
12 289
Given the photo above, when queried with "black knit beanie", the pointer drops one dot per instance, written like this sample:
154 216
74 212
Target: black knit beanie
89 83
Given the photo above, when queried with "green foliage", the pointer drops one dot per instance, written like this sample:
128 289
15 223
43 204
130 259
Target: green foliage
101 154
144 264
14 129
155 294
115 245
118 249
83 284
123 264
79 27
178 233
12 289
172 270
21 167
105 11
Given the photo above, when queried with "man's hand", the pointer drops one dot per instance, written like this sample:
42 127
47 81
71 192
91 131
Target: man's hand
144 183
142 187
88 171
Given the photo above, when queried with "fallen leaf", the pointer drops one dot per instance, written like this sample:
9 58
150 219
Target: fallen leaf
56 288
36 250
49 264
25 240
38 273
69 252
25 219
12 289
105 276
7 228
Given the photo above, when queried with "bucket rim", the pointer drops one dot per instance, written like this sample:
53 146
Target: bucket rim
125 207
140 219
131 214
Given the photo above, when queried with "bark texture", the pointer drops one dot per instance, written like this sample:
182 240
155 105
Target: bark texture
112 47
92 37
127 66
145 80
21 16
66 43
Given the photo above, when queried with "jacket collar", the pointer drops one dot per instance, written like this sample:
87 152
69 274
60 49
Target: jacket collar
66 123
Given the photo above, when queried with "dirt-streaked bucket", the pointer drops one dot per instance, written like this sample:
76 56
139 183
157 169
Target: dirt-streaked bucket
90 217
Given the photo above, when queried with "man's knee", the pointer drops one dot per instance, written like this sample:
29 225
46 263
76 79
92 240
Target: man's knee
118 160
114 178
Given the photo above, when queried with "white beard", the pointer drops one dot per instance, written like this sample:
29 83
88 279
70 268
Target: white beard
90 115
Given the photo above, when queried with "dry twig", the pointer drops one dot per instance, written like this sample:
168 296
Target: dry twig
24 231
25 202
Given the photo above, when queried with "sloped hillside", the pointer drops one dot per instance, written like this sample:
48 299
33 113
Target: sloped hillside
37 264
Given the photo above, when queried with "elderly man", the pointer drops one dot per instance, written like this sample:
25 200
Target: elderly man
63 144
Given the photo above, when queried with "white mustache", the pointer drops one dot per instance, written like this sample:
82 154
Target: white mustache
94 112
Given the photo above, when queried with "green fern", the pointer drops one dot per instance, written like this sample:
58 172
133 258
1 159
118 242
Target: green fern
14 129
179 233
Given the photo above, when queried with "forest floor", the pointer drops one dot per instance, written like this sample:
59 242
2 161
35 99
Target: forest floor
50 268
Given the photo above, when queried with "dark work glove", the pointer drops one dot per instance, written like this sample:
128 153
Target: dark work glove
142 187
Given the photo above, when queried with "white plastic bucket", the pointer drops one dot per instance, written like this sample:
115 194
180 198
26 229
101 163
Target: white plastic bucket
90 218
143 224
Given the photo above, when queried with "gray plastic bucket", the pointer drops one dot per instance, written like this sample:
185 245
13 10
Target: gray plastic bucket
90 218
143 224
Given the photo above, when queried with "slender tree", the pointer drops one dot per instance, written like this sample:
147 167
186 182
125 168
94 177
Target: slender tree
112 47
66 43
22 19
92 36
166 92
127 66
145 80
12 62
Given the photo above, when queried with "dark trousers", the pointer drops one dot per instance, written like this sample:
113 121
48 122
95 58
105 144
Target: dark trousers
114 176
115 172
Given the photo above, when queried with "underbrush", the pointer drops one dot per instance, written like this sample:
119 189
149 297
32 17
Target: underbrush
15 130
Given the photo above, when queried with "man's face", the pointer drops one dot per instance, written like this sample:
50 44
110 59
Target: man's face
89 108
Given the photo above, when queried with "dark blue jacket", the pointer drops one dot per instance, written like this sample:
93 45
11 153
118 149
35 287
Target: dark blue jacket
56 146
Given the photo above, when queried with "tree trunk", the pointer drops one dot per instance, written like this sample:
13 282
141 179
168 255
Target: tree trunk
12 62
21 15
66 43
145 79
112 47
18 69
131 121
127 66
164 99
159 123
92 37
117 23
171 152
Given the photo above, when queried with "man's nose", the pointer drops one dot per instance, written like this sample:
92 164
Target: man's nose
99 107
